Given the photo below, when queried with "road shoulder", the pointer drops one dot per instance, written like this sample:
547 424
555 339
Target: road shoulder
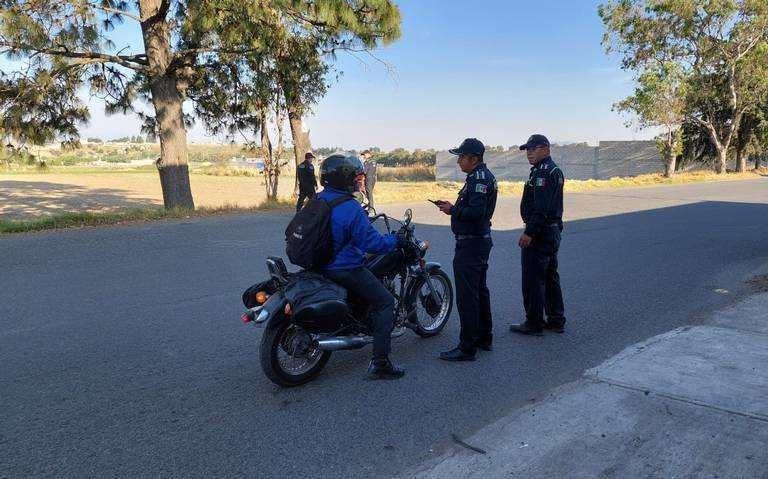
687 403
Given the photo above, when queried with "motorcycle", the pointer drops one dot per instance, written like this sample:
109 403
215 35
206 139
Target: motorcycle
308 317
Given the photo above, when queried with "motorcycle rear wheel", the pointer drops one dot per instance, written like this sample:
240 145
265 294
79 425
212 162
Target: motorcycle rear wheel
287 356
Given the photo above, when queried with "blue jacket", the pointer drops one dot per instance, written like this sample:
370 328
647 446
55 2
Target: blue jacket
353 235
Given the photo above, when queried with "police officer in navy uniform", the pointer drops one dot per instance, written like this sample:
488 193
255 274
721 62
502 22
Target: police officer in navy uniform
471 224
307 180
542 212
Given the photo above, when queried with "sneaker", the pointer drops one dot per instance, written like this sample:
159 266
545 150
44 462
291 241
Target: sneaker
527 329
384 369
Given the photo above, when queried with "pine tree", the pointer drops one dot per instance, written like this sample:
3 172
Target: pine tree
66 45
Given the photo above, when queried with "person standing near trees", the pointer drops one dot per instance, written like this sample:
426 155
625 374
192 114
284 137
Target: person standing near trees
307 180
370 168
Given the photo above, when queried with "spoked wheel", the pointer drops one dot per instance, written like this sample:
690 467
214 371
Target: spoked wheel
431 314
289 357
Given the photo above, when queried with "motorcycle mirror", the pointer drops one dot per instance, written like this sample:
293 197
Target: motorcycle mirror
408 216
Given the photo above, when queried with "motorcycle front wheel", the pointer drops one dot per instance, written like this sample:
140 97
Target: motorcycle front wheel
429 315
288 357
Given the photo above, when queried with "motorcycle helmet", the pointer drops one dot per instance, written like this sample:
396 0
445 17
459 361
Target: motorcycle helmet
339 171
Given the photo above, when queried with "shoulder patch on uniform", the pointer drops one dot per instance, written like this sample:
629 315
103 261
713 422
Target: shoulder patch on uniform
481 188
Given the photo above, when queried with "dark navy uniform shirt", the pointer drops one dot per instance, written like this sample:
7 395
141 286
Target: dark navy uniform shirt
471 215
542 203
307 178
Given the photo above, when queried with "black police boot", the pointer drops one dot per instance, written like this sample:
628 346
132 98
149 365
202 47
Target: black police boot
457 354
555 326
527 329
382 368
486 344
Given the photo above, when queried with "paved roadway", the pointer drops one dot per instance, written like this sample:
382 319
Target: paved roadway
122 352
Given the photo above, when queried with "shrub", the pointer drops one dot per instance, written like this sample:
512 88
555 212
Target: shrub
406 173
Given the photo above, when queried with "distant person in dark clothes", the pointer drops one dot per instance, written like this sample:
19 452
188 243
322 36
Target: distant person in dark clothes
307 180
542 211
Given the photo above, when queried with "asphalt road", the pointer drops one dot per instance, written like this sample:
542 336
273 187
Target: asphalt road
122 352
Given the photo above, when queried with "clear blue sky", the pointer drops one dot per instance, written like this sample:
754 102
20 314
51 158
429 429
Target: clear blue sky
495 69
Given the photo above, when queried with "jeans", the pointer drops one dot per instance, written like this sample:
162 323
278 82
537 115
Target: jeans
364 285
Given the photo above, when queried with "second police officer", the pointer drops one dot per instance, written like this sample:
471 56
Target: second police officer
542 211
471 224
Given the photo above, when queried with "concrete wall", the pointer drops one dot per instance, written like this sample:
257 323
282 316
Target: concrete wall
578 161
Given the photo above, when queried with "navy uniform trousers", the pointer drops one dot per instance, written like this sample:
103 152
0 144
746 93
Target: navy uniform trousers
473 300
304 195
541 281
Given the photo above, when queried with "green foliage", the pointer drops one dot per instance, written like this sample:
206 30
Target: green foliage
403 157
41 106
659 97
406 173
706 58
66 45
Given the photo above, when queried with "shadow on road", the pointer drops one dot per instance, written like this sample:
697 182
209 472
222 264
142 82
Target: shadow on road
146 369
23 199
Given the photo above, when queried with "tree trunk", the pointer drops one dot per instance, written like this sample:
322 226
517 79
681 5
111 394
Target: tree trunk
270 178
173 169
167 101
721 161
300 138
278 152
741 161
758 160
669 165
668 150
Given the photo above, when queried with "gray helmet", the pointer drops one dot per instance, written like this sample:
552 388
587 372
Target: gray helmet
339 172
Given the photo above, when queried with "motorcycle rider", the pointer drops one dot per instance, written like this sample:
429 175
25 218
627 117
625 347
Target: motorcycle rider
353 236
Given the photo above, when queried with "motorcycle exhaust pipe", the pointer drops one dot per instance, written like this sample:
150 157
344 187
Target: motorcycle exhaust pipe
338 343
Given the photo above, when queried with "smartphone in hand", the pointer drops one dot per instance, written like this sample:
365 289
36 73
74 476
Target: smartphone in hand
436 203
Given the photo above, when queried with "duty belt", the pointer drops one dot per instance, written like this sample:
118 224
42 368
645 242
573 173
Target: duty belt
466 237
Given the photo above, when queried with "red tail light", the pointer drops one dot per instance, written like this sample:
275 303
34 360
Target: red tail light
246 318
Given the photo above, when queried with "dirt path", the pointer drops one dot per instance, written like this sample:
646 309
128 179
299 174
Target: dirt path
42 194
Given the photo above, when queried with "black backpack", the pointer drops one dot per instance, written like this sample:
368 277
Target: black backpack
308 240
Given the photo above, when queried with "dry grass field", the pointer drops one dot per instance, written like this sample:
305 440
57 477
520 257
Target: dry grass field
31 195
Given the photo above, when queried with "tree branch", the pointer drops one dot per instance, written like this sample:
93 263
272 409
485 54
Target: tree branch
133 62
113 10
226 51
